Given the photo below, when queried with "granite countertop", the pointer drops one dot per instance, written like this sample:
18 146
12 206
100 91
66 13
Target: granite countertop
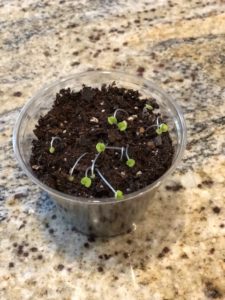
178 252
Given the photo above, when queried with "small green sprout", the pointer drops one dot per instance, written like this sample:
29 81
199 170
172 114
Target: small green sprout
163 127
122 126
119 194
86 181
112 120
130 163
100 147
160 127
51 149
148 106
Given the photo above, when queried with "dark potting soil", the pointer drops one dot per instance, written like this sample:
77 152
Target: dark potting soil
79 119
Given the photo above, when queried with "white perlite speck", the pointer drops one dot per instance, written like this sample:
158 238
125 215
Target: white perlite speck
94 120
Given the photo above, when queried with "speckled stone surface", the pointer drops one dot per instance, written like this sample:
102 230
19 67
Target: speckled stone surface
178 252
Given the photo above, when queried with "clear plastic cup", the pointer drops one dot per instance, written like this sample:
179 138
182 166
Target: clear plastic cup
105 216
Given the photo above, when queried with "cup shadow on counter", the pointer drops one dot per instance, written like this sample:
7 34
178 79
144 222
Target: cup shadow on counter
153 238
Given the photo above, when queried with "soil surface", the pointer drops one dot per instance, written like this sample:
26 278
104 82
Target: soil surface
79 119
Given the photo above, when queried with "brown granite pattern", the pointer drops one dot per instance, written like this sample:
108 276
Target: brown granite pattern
178 252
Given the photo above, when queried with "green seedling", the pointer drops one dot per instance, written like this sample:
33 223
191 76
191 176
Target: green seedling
148 106
117 193
52 148
130 161
122 126
86 181
112 120
146 110
160 127
100 147
163 127
71 177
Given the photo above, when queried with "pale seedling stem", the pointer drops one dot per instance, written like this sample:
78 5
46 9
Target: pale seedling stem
76 163
121 149
105 181
93 164
53 139
119 109
127 152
